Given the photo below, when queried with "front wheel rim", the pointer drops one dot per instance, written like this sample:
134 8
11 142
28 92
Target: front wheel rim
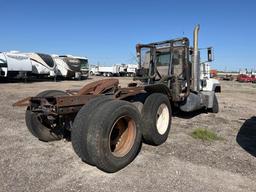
162 119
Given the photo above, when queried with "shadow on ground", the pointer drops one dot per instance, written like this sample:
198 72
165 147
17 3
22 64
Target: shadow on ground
188 115
246 136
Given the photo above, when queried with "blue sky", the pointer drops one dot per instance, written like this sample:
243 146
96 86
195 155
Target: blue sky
107 31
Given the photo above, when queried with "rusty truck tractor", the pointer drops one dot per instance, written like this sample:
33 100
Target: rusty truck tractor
107 123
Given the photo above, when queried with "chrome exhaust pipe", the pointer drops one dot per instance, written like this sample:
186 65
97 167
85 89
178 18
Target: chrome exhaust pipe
196 62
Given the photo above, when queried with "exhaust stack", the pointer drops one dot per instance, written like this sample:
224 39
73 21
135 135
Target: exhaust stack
196 62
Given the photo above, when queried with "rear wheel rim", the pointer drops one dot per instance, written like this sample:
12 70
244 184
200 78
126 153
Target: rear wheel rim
122 136
162 118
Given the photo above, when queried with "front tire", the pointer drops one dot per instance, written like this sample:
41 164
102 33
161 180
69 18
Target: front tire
156 115
215 107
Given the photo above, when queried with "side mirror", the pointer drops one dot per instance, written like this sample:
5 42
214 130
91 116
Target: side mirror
210 54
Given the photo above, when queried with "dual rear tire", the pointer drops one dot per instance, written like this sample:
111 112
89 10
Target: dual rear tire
111 137
108 133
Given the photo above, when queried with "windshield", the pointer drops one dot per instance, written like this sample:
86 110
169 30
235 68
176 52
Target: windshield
163 58
84 63
3 62
47 59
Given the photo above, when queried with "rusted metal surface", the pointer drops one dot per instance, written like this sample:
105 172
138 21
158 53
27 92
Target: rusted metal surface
127 92
77 97
98 87
122 136
22 103
72 103
75 100
68 110
72 91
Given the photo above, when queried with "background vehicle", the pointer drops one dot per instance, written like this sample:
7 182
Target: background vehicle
227 77
105 71
244 78
213 73
128 70
43 65
73 67
14 65
84 66
253 78
107 122
207 82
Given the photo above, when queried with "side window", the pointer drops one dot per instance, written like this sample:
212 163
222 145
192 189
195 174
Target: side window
145 57
163 61
178 61
178 56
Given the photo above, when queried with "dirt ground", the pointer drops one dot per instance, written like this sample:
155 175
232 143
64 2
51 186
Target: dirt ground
181 164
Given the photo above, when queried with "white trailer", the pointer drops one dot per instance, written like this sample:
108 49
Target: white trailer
127 69
70 66
94 70
131 69
43 65
14 65
105 71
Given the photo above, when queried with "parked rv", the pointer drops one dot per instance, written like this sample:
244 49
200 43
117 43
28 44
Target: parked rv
14 65
70 66
43 65
84 66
